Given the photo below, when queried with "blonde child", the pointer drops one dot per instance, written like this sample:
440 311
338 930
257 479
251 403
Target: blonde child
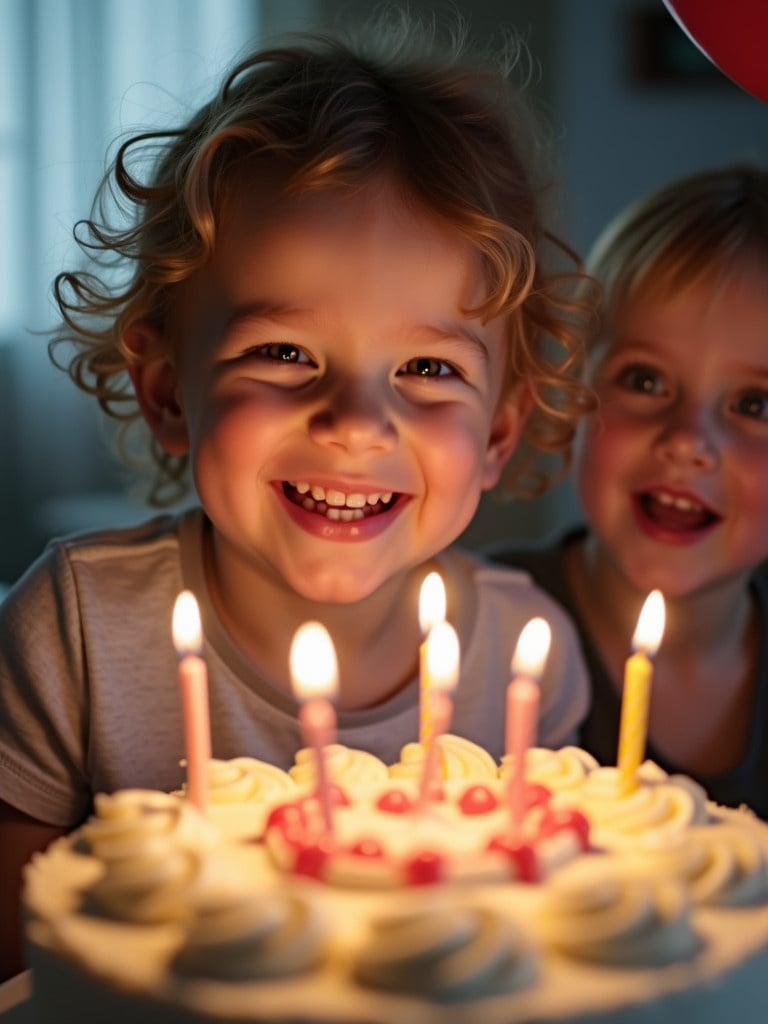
333 311
672 474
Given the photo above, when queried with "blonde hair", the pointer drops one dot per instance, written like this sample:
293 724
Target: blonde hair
697 229
335 112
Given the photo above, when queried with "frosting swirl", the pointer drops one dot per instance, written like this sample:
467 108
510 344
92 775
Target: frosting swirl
459 759
346 766
149 845
721 864
243 779
447 953
606 917
659 802
560 769
253 937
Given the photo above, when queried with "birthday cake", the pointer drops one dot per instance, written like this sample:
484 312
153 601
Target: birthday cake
596 906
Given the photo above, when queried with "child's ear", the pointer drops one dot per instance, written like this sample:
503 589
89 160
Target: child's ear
506 428
156 386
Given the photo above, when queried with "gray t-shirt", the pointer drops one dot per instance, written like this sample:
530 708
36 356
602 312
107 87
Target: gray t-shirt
89 698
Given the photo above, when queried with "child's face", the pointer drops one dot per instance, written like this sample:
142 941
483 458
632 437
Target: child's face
324 348
672 469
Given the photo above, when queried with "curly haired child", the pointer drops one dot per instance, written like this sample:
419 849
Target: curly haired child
330 304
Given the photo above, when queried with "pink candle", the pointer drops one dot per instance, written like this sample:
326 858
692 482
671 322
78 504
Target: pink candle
314 676
193 684
442 656
431 611
523 710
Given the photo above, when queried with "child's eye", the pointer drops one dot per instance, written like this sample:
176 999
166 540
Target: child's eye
282 352
642 379
426 366
753 404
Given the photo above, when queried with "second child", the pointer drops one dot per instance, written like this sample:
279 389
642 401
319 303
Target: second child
672 474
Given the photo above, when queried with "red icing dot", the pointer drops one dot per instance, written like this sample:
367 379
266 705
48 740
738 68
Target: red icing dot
478 800
338 796
395 801
565 820
536 795
425 868
311 858
287 817
522 855
369 848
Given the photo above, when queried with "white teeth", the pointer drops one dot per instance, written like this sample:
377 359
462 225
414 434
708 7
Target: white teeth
338 499
683 504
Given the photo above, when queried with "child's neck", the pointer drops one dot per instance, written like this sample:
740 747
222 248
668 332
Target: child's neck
704 672
376 639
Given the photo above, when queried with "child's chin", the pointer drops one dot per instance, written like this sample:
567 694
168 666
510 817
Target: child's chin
332 588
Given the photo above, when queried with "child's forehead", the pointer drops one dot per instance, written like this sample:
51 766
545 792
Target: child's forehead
378 213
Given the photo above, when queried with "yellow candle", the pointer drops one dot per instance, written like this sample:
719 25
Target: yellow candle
636 696
431 612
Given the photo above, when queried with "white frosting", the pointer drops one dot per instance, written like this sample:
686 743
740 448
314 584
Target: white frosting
454 952
346 767
597 914
249 936
565 768
459 759
720 864
221 936
244 779
658 803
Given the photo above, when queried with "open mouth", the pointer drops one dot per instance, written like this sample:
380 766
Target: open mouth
673 512
338 505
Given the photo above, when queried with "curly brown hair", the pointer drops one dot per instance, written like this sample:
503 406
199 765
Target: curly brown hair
335 111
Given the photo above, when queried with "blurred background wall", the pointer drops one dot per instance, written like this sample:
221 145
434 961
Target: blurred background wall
630 101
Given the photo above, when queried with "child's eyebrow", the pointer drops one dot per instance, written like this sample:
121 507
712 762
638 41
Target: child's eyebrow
458 332
258 313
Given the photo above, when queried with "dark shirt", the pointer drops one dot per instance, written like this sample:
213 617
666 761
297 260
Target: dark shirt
745 782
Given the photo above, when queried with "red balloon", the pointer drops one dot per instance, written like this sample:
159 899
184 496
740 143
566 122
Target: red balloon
733 34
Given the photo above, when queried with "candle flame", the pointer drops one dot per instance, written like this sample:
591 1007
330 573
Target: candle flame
431 602
532 649
443 657
187 630
650 625
314 670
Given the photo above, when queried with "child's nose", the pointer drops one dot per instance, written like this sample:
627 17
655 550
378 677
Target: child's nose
688 443
354 419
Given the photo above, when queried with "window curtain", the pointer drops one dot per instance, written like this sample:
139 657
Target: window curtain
74 76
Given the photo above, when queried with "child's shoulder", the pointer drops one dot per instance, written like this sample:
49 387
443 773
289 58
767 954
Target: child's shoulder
502 590
116 542
110 560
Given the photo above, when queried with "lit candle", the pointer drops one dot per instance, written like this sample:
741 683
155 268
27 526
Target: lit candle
431 611
528 663
315 680
636 694
442 659
193 683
